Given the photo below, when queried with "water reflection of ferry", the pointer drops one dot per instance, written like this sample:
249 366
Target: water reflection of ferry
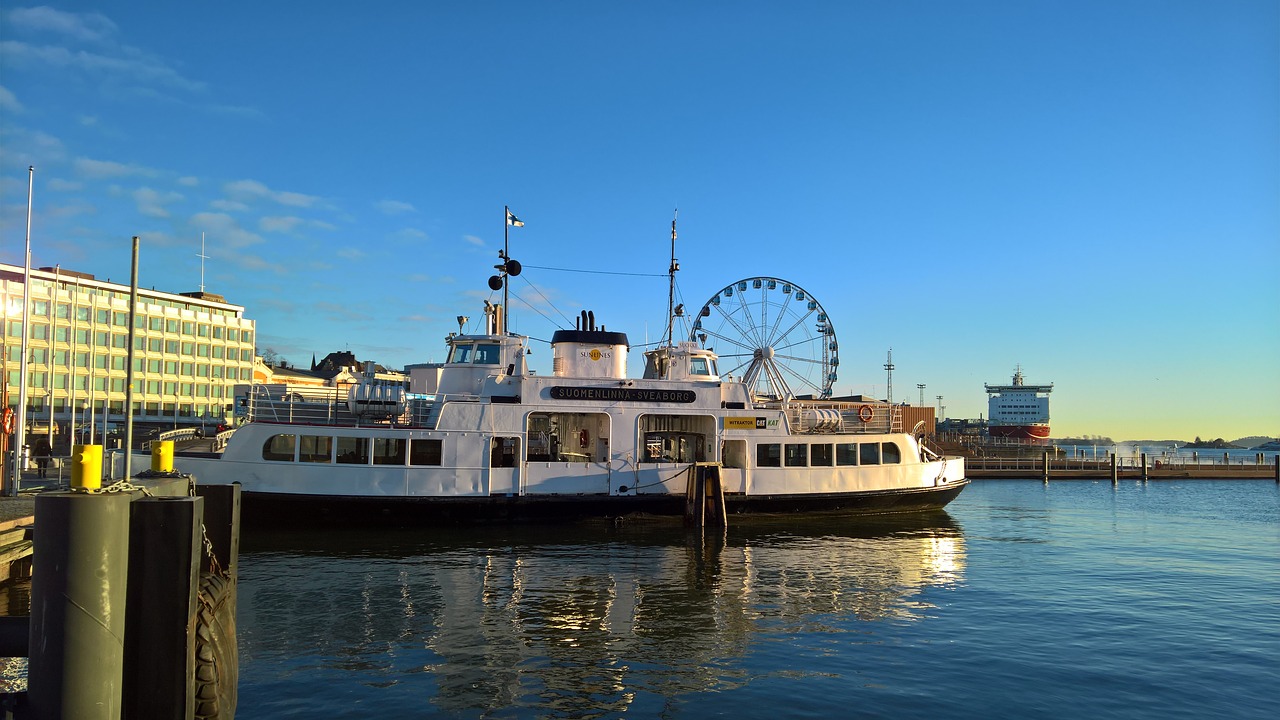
573 620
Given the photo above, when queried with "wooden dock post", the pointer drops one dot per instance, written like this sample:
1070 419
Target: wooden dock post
1144 467
1046 466
702 493
1115 471
1277 467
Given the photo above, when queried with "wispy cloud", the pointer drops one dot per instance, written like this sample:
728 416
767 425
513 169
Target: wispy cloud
249 190
474 240
88 27
350 253
61 185
105 169
225 229
189 181
9 102
409 234
152 202
279 224
394 207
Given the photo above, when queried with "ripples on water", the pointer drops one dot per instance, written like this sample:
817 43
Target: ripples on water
1072 600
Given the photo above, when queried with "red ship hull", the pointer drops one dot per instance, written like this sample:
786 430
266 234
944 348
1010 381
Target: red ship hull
1037 433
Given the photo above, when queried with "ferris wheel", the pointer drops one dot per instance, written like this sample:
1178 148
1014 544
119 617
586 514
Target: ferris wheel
773 335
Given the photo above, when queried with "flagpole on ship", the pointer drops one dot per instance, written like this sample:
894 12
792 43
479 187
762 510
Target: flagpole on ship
508 268
506 253
671 287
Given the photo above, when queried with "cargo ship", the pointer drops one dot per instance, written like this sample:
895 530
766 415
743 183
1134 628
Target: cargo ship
1019 411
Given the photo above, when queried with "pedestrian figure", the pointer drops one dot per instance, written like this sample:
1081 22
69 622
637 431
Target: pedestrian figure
41 449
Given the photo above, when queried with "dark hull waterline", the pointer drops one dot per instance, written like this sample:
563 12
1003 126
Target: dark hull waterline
273 510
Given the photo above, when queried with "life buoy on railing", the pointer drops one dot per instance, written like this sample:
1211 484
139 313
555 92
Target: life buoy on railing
9 422
865 413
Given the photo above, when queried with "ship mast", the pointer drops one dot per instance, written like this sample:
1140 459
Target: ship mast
671 287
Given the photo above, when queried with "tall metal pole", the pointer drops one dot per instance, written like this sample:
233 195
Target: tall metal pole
888 366
128 372
71 364
19 447
50 312
506 254
671 285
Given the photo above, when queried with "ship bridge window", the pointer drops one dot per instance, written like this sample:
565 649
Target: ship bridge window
487 355
461 354
698 366
890 454
279 448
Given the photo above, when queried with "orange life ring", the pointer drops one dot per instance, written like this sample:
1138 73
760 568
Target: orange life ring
8 421
865 413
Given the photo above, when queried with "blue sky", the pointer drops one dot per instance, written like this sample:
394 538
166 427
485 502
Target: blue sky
1088 189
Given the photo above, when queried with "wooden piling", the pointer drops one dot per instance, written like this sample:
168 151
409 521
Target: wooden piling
1115 470
1144 467
704 496
1046 465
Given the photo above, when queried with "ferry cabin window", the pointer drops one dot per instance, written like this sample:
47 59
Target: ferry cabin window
487 355
461 354
353 451
869 454
769 455
846 453
505 452
315 448
426 451
820 455
733 453
279 447
698 366
797 455
890 454
389 451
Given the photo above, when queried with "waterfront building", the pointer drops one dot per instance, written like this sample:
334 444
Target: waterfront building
190 351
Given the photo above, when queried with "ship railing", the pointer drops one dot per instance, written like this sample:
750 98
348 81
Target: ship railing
1173 463
813 416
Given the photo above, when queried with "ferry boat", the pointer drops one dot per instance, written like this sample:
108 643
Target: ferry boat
482 438
1019 411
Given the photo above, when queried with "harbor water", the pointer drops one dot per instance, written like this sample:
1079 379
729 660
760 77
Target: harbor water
1066 600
